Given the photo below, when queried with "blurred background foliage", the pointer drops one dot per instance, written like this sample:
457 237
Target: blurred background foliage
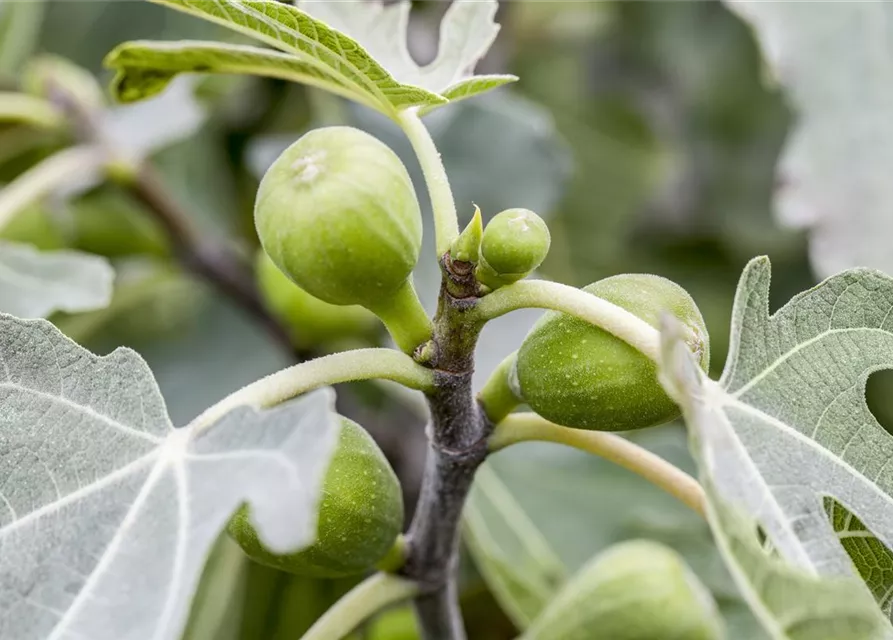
643 131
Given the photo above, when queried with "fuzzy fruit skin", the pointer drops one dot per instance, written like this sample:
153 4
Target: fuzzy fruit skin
577 375
338 214
310 321
636 590
360 516
515 242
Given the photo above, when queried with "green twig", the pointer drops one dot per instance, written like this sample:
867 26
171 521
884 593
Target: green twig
576 302
524 427
446 224
347 366
361 602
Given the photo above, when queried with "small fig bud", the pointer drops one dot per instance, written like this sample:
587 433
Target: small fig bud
360 515
467 247
578 375
310 321
338 214
636 590
515 242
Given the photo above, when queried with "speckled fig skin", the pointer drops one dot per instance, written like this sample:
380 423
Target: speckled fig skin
310 321
577 375
635 590
360 516
337 213
515 242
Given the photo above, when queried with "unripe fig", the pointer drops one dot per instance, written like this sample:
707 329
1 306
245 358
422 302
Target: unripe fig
360 515
338 214
515 242
636 590
578 375
310 321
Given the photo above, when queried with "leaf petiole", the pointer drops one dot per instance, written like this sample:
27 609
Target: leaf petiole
446 224
367 598
347 366
576 302
524 427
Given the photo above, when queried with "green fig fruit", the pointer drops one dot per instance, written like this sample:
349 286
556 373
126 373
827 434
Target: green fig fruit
338 214
578 375
310 321
360 515
515 242
636 590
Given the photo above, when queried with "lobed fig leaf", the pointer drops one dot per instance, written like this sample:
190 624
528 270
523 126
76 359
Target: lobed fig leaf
360 516
578 375
636 590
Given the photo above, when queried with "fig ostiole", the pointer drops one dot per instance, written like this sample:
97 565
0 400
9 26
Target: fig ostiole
311 322
578 375
360 515
514 243
337 213
635 590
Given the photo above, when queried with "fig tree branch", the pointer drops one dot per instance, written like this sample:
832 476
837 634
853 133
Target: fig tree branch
345 366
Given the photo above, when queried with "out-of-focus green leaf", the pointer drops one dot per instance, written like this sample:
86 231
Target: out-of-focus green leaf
282 606
19 30
836 64
517 562
33 283
581 504
337 61
20 108
217 606
73 169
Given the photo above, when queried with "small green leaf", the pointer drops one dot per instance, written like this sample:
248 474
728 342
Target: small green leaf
514 557
786 427
145 68
312 51
33 284
471 87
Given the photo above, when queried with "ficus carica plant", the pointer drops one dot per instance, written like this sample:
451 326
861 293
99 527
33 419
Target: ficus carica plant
108 540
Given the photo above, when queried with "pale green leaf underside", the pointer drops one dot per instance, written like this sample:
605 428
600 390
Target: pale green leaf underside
107 512
834 61
33 284
517 563
787 425
315 49
789 603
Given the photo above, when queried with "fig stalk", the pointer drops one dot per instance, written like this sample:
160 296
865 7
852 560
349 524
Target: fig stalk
527 427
